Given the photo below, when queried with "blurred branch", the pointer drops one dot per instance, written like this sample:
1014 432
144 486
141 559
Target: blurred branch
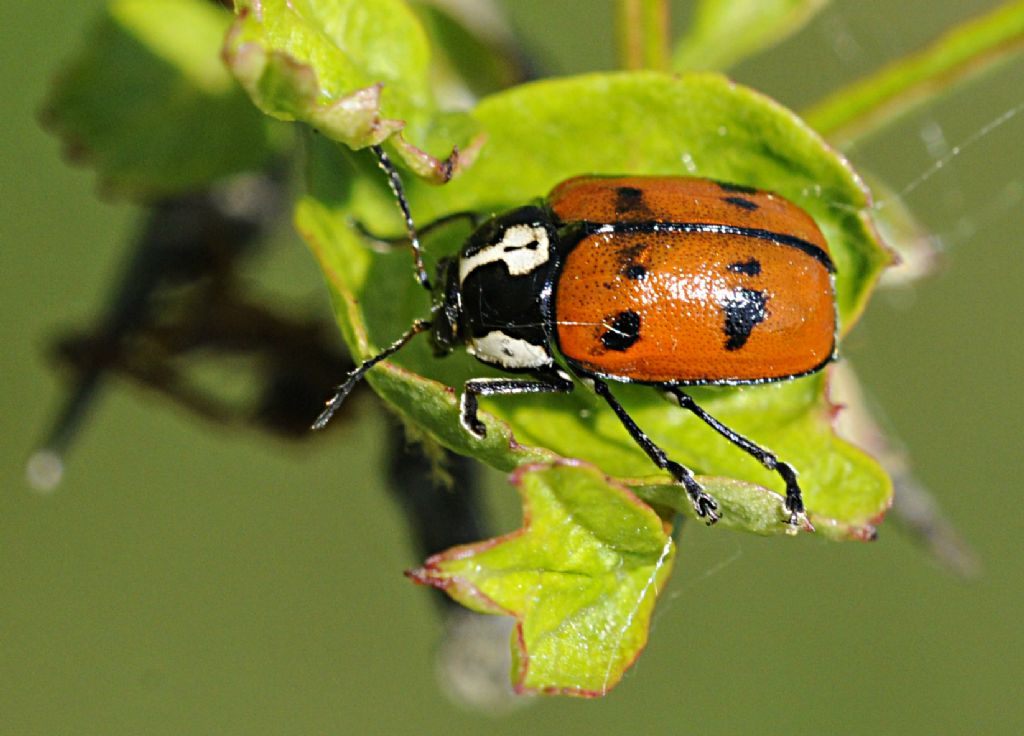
967 51
643 32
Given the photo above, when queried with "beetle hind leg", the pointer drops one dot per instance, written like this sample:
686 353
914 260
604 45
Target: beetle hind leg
704 503
794 497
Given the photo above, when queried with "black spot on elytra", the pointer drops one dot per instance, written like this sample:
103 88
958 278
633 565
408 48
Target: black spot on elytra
735 188
744 310
635 271
749 267
628 257
623 332
742 203
630 201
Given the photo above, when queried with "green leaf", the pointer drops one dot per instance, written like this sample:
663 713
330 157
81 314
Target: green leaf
581 578
725 32
473 56
543 133
966 51
151 106
916 248
356 71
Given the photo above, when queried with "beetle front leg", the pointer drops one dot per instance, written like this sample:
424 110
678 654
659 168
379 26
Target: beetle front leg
703 503
554 383
473 218
794 498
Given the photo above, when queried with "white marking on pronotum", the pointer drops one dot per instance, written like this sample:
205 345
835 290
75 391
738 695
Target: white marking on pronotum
497 348
522 248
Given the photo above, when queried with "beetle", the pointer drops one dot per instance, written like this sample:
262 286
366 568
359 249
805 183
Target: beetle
666 281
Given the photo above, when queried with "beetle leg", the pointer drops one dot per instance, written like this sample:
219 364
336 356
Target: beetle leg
554 383
794 498
422 231
703 503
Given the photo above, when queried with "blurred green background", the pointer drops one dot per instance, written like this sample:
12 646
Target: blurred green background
186 579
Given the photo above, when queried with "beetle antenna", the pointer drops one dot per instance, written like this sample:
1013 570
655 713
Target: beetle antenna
342 391
414 241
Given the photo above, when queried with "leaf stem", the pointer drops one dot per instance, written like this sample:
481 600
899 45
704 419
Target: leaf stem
968 50
643 31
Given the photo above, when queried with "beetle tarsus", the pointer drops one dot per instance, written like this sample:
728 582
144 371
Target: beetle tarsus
471 422
707 507
794 499
797 521
704 504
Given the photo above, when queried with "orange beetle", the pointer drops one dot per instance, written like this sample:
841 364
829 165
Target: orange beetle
667 281
689 281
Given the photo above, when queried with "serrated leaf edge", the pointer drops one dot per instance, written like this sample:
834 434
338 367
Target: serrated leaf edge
431 574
